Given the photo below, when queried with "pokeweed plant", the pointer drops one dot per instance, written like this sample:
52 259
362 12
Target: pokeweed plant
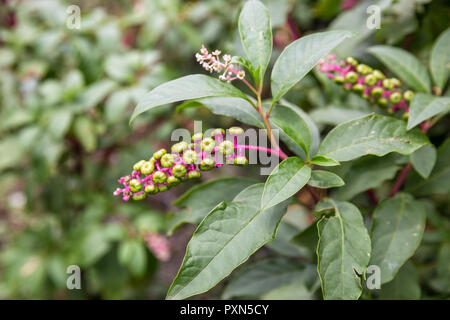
230 231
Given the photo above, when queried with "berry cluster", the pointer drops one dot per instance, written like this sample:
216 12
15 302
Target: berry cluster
186 161
211 62
371 84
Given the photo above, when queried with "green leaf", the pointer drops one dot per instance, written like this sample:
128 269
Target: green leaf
225 239
284 181
307 238
423 160
132 254
336 115
298 58
365 174
202 198
439 177
116 105
189 87
325 179
371 134
262 277
424 106
323 161
292 125
405 285
397 227
440 59
404 65
343 251
85 132
256 35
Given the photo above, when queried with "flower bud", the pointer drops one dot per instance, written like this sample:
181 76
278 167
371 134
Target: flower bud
194 175
408 95
147 167
159 177
138 165
351 77
370 80
179 170
226 147
189 156
236 131
158 154
395 97
167 160
207 164
173 181
151 189
208 144
135 185
241 161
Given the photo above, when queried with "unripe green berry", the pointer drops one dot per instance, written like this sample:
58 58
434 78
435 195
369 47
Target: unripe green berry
159 177
387 83
351 77
217 132
241 161
147 167
135 185
370 80
158 154
236 130
207 164
197 136
358 88
339 79
382 102
190 156
352 61
408 95
151 189
179 147
163 188
208 144
167 160
140 196
395 97
365 96
396 82
226 147
173 181
377 92
405 116
137 166
390 110
378 74
363 69
194 175
179 170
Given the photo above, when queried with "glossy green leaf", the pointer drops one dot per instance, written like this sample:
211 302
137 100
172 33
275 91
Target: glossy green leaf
371 134
404 65
336 115
440 59
256 34
189 87
397 227
226 238
424 106
284 181
438 181
292 125
325 179
298 58
343 251
405 285
423 160
323 161
307 238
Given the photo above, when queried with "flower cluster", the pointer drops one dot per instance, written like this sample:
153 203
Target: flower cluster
371 84
212 62
186 161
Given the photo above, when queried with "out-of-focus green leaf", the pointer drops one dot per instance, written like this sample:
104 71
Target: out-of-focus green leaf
440 59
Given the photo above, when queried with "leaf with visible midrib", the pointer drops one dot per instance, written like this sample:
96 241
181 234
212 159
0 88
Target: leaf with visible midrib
343 250
226 238
424 106
371 134
397 227
189 87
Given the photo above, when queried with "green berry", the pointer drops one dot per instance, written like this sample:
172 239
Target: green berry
173 181
351 61
159 177
217 132
179 170
226 147
408 95
147 167
208 144
363 69
135 185
236 131
137 166
163 188
351 77
151 189
370 80
382 102
395 97
378 74
358 88
241 161
207 164
179 147
190 156
377 92
387 83
194 175
140 196
405 116
167 160
390 110
198 136
339 79
396 82
158 154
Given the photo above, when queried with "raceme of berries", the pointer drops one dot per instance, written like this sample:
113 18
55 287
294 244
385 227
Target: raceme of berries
185 161
371 84
212 62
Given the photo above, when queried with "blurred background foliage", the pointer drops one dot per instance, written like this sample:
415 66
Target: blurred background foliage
65 100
